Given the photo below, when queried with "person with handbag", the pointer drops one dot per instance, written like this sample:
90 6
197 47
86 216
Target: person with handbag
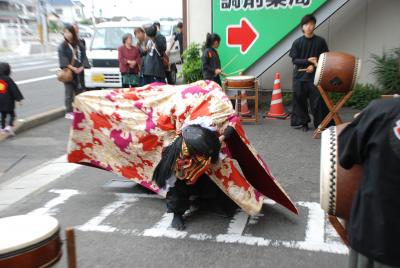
155 61
72 59
129 62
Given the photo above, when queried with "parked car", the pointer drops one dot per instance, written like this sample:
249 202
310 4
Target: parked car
103 53
85 31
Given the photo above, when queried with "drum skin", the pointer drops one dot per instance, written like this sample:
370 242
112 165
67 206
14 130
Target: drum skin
38 251
240 81
337 72
338 185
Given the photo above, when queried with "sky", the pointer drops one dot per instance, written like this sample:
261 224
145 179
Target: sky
152 9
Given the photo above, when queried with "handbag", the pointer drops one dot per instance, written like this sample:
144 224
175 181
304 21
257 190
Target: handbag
66 75
130 79
164 59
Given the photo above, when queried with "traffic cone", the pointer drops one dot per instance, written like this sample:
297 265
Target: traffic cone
276 109
244 109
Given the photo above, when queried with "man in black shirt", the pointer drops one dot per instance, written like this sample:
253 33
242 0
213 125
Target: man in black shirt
305 52
373 140
179 37
153 67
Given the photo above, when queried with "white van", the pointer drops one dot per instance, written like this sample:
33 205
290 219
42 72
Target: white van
103 53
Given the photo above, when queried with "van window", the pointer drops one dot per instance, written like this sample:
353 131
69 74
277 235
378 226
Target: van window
166 30
109 38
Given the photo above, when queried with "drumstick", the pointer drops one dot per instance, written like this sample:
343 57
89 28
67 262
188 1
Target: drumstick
302 70
238 71
230 62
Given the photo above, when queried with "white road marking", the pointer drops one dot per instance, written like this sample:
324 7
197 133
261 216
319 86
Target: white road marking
50 208
29 62
53 69
33 68
34 179
238 223
37 79
315 224
236 233
163 229
96 224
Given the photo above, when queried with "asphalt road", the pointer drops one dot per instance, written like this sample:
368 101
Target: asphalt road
119 225
35 76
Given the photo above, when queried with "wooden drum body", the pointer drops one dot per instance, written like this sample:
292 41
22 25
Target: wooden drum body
337 72
29 241
243 81
337 185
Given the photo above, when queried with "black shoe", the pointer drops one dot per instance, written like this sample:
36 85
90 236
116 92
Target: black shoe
305 128
177 222
298 127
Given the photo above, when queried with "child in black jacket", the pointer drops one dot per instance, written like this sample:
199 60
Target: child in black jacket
9 94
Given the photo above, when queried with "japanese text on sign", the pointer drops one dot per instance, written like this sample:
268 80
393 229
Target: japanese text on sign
227 5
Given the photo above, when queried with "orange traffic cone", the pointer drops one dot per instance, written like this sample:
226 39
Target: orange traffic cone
244 109
276 109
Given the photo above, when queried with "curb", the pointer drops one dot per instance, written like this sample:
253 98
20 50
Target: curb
35 121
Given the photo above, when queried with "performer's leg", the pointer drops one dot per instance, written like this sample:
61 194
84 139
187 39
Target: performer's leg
212 198
178 202
318 106
299 117
3 119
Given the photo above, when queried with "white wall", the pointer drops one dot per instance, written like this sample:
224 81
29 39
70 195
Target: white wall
199 20
361 27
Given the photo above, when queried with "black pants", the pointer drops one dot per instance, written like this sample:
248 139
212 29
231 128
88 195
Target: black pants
152 79
178 196
10 119
304 91
71 90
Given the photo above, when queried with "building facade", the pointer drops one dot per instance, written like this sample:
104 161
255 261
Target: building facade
360 27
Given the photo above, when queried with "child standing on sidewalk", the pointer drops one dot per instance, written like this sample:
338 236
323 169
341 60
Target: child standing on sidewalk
9 94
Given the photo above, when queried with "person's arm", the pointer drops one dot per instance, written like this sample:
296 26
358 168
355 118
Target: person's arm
161 44
294 54
206 62
85 60
63 59
354 139
138 59
324 46
14 90
173 43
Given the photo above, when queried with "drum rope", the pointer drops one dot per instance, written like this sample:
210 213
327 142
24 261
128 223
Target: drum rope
332 178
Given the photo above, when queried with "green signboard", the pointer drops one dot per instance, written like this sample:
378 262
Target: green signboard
251 28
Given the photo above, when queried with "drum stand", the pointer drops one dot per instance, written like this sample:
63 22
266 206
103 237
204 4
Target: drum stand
238 98
340 229
333 110
71 251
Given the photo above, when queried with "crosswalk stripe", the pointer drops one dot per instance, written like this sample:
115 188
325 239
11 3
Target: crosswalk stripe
34 67
29 182
37 79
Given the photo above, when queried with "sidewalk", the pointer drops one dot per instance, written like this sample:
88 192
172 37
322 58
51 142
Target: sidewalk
32 148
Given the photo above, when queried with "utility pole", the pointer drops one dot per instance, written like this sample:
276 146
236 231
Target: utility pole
41 18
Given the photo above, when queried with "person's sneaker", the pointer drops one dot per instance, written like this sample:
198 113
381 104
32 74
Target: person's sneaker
9 131
69 116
